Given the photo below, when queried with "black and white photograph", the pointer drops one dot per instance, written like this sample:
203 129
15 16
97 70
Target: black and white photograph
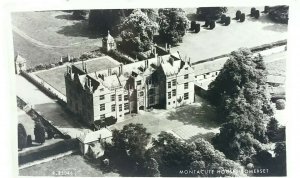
151 92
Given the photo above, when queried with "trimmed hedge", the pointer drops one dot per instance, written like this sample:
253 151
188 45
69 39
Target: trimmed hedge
193 25
266 9
197 28
227 21
243 17
223 18
238 15
212 24
257 14
252 12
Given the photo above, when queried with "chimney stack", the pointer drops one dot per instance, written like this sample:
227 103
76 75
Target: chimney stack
169 49
166 47
109 72
121 69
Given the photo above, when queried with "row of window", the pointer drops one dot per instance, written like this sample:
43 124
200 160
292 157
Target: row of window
185 95
173 93
113 97
173 83
113 107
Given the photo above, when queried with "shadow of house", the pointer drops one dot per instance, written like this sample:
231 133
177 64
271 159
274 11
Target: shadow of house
80 29
203 115
208 137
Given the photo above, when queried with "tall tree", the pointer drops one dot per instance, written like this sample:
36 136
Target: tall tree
106 19
137 31
240 93
39 132
22 136
210 13
172 25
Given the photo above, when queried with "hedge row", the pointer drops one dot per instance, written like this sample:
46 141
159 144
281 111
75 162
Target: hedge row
118 56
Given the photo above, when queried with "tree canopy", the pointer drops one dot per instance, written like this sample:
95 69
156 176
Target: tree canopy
210 13
173 155
22 136
128 147
240 93
137 31
172 25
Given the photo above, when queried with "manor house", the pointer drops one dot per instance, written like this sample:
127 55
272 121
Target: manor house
163 81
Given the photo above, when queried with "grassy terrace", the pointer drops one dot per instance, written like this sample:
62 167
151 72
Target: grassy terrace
55 76
42 37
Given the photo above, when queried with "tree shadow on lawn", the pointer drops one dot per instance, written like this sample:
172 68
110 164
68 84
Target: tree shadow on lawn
203 115
68 17
80 29
208 137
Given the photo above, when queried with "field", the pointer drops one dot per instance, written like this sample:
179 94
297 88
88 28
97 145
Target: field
55 76
224 39
188 122
43 37
72 165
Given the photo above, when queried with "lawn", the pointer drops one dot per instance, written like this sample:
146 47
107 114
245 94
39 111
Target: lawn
45 36
277 67
55 76
187 122
225 39
72 165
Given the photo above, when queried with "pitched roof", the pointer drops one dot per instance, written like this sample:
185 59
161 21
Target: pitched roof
207 67
94 136
111 81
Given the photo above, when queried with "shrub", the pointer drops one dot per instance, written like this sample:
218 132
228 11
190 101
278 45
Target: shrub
29 140
243 17
207 22
223 18
280 104
22 136
256 14
212 24
227 21
252 13
39 132
50 133
238 15
266 9
197 28
193 25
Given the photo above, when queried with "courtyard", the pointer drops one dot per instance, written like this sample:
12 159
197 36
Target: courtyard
188 122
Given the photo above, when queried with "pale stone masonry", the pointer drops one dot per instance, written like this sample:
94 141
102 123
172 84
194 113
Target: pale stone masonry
164 82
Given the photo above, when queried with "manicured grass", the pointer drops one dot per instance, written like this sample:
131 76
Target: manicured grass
73 165
225 39
186 122
45 36
55 77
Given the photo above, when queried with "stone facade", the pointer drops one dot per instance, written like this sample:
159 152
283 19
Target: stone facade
162 82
